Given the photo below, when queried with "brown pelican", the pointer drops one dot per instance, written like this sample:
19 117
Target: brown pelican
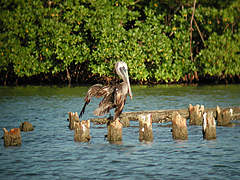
114 96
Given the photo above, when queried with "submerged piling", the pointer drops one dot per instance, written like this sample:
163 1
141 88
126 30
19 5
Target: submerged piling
82 131
145 128
26 126
12 137
179 127
114 131
209 126
196 114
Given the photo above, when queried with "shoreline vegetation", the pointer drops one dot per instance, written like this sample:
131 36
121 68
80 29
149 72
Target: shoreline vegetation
78 42
62 80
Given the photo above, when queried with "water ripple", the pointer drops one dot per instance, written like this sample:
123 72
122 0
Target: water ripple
49 152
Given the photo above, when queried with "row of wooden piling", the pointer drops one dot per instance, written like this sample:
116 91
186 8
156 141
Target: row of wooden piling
197 116
82 128
196 112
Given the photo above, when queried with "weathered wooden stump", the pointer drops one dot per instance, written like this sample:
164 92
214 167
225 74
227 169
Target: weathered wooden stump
223 116
179 127
209 126
145 128
196 114
114 131
12 137
26 126
82 131
73 119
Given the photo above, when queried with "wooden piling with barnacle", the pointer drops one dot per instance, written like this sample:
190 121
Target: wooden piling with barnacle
73 120
114 131
196 114
145 128
223 117
82 131
179 127
209 126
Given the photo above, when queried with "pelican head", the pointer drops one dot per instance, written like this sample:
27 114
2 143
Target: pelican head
122 71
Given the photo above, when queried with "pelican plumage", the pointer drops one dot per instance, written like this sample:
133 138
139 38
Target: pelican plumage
114 96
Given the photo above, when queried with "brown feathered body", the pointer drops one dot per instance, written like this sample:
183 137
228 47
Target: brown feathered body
114 96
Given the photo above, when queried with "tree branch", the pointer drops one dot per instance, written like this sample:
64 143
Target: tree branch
191 29
199 31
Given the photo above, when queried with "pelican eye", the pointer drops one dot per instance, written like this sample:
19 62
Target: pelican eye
123 70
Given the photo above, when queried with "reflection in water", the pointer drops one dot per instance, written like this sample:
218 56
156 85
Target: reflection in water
49 152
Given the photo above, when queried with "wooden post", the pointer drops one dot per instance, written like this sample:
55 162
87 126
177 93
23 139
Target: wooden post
179 127
73 119
223 117
12 137
82 131
196 114
145 128
209 126
114 131
26 126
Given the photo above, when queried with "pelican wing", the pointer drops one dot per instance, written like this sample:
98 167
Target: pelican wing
97 90
105 105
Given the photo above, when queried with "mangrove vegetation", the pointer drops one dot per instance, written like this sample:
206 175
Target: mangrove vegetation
162 41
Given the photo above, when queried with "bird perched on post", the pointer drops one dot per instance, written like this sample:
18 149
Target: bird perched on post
114 96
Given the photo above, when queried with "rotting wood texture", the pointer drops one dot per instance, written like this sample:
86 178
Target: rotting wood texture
26 126
82 131
196 114
163 116
209 126
179 127
223 117
145 128
12 137
73 120
114 131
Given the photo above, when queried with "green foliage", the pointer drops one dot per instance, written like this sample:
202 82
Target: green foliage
152 37
40 37
221 57
149 52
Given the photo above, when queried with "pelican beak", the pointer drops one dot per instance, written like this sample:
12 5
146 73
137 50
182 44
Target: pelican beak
129 88
126 79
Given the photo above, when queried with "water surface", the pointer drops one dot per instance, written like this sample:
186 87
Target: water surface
49 151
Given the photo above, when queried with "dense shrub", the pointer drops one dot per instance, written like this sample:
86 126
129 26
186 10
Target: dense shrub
221 57
153 37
